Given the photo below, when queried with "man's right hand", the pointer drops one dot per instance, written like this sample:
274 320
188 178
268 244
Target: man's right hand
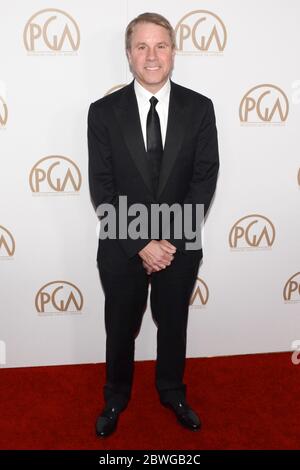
157 255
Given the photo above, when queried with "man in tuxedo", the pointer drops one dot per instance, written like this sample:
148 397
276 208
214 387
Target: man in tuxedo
154 142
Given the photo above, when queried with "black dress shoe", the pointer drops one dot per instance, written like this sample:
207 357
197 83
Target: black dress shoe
107 422
184 414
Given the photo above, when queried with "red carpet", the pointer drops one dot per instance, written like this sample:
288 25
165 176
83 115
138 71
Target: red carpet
245 402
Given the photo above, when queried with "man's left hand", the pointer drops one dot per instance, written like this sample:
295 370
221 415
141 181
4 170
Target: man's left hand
147 267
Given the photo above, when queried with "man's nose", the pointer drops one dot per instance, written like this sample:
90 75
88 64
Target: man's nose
151 54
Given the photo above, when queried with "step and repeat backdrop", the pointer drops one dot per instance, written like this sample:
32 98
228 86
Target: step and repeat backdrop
56 57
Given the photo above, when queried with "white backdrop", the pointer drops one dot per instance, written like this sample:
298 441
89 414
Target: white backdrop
53 64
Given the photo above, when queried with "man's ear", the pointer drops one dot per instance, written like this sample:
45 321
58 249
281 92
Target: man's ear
128 55
129 59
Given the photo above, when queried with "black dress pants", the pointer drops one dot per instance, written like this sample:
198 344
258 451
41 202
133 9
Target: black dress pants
126 292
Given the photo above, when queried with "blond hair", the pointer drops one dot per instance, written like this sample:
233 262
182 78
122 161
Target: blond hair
149 18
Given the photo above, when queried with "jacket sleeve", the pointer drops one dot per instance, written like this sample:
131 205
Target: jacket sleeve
101 175
205 171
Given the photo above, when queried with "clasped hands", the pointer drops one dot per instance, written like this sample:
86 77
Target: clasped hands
157 255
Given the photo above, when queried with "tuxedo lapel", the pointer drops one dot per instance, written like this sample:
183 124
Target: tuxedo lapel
127 114
176 127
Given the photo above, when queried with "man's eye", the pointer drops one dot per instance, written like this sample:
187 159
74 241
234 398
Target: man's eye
141 47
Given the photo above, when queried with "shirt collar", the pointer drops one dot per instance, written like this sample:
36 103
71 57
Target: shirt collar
144 95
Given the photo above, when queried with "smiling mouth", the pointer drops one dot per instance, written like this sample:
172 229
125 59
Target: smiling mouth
152 68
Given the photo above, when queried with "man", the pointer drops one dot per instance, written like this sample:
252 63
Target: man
151 150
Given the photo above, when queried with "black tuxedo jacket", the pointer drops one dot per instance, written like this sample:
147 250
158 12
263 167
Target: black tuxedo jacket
118 163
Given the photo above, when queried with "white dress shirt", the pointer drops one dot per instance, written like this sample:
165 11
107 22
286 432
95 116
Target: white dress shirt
143 96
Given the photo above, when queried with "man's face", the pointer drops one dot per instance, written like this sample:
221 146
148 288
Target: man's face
151 55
